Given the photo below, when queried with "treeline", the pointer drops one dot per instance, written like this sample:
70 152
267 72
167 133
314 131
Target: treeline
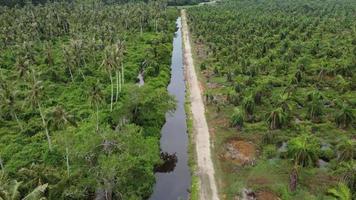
12 3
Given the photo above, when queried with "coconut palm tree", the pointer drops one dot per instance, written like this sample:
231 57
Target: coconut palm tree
58 119
8 99
9 190
109 65
344 117
34 98
304 150
22 66
277 118
237 119
119 54
96 98
341 192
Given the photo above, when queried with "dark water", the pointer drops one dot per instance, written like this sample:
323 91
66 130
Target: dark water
174 185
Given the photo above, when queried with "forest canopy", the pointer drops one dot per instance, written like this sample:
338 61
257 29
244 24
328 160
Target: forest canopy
74 123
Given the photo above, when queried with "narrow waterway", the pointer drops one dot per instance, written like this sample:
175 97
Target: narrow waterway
174 185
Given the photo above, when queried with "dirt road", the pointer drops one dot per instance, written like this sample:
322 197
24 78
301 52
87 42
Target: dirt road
208 189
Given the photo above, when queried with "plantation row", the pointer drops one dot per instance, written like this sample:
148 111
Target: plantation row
73 122
282 75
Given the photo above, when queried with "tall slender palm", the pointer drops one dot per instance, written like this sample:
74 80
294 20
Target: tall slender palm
96 98
8 99
119 54
34 98
58 119
109 65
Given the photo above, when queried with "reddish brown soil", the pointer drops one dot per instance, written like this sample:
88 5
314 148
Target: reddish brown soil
266 195
240 152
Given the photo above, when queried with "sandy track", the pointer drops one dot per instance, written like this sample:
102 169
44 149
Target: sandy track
208 189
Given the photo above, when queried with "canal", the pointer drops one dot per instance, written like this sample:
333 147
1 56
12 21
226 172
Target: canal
175 184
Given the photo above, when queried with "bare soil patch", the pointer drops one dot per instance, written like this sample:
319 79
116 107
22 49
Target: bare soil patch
240 152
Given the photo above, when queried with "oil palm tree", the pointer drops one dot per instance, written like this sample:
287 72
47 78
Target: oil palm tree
344 117
346 149
304 150
340 192
248 105
347 173
277 118
315 110
237 119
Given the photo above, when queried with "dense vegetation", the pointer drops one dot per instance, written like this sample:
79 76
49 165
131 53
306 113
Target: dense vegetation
281 75
74 124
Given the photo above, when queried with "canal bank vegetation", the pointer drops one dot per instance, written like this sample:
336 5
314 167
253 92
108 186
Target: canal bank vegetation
279 87
194 189
73 122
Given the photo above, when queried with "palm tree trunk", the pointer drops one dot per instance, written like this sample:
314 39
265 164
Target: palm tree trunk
112 91
46 129
71 74
67 161
97 118
120 82
122 71
1 164
117 85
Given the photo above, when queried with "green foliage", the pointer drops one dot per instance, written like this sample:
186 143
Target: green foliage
237 119
102 129
341 192
346 149
304 150
344 117
277 118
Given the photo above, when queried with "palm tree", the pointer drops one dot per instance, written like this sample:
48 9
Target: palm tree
8 97
59 118
22 66
237 119
304 150
344 117
109 65
346 149
9 190
96 98
248 105
315 109
119 54
277 118
34 97
347 173
341 192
